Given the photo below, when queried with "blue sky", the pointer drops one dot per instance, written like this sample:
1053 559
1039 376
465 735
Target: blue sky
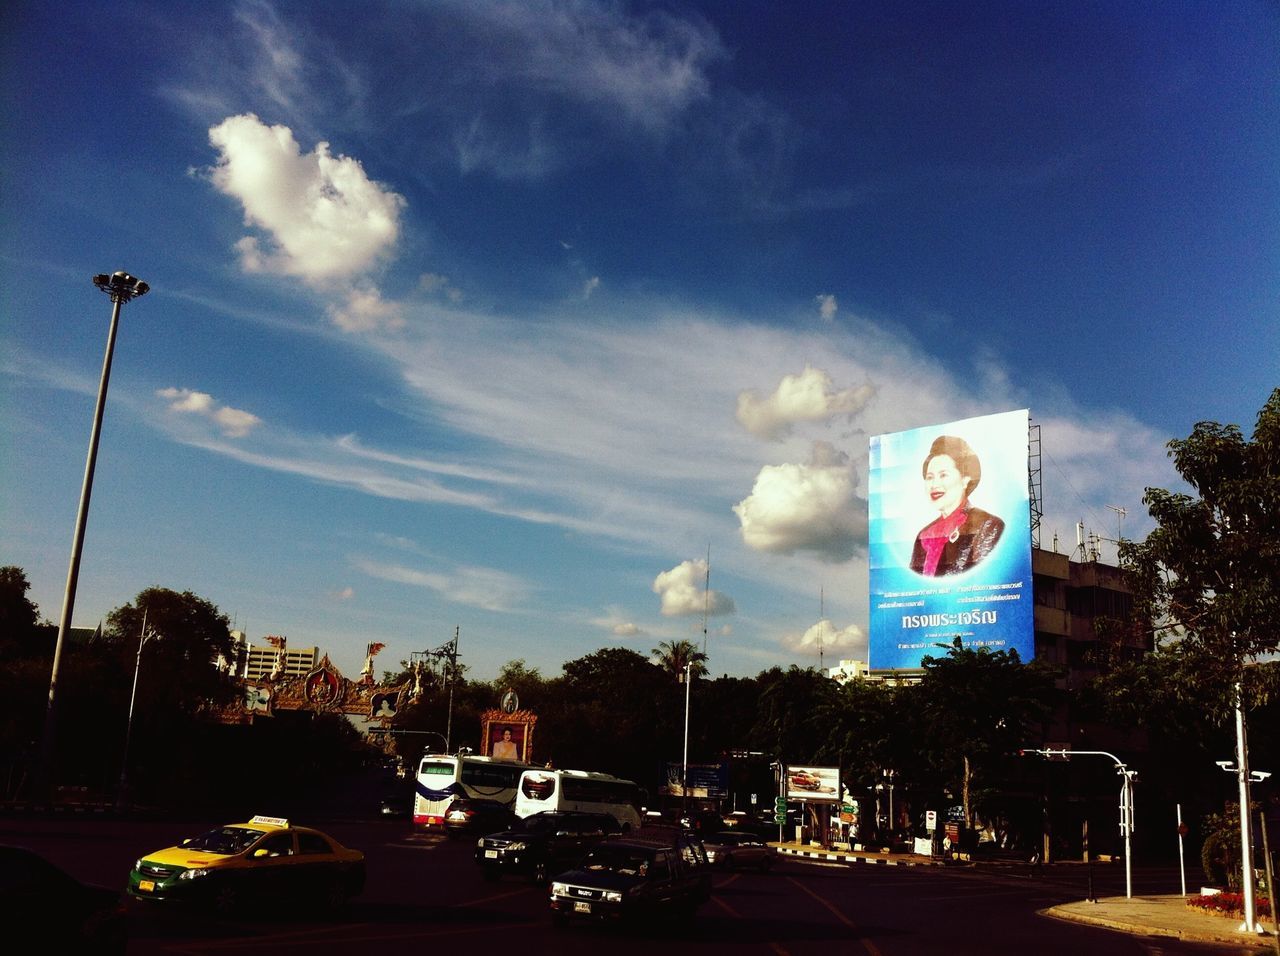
500 316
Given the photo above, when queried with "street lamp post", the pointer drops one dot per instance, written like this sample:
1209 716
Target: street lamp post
1244 776
122 288
122 790
1126 802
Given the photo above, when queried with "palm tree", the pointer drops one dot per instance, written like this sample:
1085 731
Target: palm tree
674 656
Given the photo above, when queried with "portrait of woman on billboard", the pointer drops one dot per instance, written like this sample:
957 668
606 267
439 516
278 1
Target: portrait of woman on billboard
962 534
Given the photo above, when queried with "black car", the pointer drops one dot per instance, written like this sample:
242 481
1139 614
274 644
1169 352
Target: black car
470 816
702 821
543 843
635 880
38 901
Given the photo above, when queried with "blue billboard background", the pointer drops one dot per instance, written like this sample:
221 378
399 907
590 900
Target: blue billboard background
988 605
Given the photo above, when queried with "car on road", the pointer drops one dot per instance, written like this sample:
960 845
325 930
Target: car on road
471 816
39 901
734 849
543 843
265 862
701 821
634 880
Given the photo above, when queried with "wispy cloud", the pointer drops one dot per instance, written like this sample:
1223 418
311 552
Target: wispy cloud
485 588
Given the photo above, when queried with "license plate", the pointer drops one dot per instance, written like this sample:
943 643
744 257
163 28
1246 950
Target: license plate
490 854
581 907
147 886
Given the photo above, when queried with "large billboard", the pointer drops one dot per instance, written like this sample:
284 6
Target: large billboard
950 540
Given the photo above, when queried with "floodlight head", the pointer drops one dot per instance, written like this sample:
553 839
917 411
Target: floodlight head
121 286
1224 764
1260 775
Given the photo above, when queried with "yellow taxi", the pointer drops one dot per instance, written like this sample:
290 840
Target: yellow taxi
265 860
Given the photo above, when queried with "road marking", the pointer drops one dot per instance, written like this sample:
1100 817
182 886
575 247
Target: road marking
869 946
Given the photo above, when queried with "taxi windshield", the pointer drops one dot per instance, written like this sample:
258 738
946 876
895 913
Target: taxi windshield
225 840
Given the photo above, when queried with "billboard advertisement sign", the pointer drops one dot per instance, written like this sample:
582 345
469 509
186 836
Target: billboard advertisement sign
813 784
950 540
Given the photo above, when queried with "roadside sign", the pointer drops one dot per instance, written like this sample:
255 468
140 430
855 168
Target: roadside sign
931 820
779 818
780 805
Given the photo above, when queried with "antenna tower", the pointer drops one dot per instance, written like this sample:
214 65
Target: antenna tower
1035 492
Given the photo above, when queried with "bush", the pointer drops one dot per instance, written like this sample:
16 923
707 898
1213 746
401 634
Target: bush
1229 904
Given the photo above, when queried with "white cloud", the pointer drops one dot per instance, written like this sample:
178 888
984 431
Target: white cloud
365 311
484 588
324 219
344 594
827 307
807 397
847 642
590 286
683 592
232 422
626 629
811 507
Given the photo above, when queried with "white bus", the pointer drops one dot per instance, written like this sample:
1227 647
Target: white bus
579 790
442 777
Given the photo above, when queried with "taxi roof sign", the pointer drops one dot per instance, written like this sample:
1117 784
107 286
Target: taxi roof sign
271 821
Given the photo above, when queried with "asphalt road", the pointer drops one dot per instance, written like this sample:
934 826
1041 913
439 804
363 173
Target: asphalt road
426 893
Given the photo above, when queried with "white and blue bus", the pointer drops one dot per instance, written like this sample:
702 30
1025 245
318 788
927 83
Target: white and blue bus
544 789
442 777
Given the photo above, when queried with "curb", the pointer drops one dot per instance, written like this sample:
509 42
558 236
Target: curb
1066 912
838 857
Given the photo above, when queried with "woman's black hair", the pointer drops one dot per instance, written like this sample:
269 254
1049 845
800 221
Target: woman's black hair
958 450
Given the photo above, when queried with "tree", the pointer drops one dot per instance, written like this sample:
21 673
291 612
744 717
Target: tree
18 614
1208 576
674 656
980 707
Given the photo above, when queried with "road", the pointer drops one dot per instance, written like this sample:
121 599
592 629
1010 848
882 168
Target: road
425 892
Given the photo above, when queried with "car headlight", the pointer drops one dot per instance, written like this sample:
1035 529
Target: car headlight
612 896
194 874
559 889
137 864
480 844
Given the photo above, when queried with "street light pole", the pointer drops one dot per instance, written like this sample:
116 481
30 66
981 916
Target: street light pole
1126 801
684 767
122 288
128 730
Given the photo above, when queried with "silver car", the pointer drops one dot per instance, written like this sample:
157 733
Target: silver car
731 849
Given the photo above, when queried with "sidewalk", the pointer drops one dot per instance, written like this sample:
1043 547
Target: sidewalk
1159 916
1167 916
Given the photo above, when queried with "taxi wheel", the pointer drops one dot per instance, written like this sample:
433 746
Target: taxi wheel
335 896
226 900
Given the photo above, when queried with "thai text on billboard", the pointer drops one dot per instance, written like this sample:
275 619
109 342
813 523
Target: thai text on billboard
950 540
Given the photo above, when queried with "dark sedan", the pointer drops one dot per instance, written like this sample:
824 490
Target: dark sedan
38 901
734 849
467 816
633 880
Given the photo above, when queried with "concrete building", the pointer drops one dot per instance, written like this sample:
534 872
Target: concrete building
256 662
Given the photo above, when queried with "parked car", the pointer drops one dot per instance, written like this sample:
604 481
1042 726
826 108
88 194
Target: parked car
634 880
734 849
39 901
470 816
543 843
265 860
702 821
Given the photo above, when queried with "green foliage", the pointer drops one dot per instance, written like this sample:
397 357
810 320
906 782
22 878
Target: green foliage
673 656
18 615
1209 574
